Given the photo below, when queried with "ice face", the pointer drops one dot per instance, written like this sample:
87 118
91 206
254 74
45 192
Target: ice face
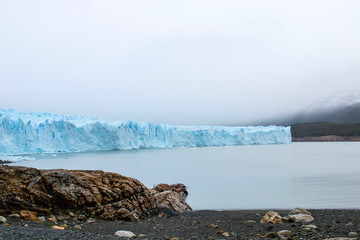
45 132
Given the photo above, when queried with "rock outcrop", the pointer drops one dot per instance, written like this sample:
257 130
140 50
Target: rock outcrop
98 194
171 198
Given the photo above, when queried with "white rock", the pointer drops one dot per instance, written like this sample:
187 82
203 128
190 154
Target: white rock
2 219
353 234
309 226
125 234
285 234
340 238
301 218
91 220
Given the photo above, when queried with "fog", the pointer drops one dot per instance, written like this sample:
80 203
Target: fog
176 62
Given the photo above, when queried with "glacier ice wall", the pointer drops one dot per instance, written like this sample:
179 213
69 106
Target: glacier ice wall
44 132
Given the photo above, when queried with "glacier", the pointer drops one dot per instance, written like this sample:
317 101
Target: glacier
27 133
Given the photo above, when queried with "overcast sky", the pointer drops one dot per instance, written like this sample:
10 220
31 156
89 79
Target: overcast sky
176 62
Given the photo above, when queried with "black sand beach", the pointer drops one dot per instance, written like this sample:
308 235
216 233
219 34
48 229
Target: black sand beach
241 224
79 199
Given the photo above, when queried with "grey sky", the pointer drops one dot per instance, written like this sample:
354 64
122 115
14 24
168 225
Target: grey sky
176 62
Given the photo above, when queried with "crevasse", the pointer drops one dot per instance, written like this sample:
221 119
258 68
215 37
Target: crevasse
22 132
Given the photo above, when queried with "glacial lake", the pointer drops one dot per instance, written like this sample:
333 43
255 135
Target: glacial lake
309 175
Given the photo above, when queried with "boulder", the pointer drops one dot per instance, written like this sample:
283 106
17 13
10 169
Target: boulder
89 193
171 198
271 217
299 211
299 215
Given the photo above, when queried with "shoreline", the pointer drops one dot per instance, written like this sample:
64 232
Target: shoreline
329 138
202 224
5 162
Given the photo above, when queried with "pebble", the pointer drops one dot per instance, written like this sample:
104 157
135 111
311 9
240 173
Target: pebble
58 227
125 234
82 217
6 224
340 238
41 219
142 235
28 215
353 234
91 220
285 233
270 235
349 224
62 217
304 230
16 215
226 234
214 226
2 219
309 226
52 219
77 227
250 221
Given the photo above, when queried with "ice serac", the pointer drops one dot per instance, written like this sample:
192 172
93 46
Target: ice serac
44 132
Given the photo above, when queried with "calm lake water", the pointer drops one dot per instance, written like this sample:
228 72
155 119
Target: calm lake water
309 175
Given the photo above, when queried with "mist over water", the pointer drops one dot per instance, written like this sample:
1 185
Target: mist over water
309 175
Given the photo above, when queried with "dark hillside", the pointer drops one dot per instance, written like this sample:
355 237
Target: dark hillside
345 114
324 129
350 114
